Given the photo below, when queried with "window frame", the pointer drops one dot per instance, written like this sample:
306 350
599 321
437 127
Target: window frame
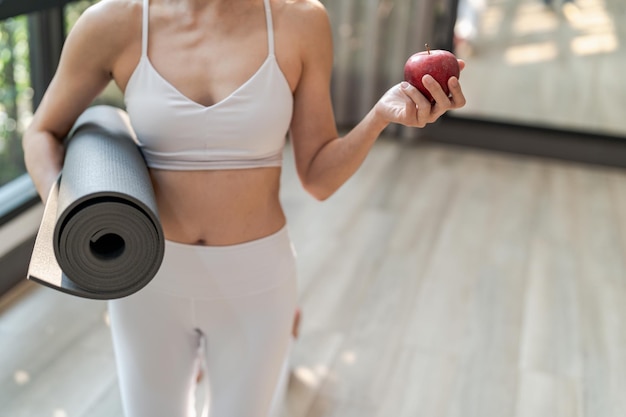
12 8
18 197
46 36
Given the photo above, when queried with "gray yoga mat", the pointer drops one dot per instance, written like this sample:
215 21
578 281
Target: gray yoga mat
100 236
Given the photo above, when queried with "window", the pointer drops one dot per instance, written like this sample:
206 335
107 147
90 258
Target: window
21 37
15 96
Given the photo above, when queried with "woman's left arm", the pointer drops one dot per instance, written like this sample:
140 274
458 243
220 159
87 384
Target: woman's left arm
325 161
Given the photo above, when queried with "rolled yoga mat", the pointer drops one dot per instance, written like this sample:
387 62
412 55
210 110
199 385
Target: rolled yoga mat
100 236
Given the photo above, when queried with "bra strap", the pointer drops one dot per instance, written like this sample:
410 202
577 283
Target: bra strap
270 27
144 28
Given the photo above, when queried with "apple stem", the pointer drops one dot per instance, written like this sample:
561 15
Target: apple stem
427 48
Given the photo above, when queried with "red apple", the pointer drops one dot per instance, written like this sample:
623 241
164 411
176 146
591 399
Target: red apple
439 63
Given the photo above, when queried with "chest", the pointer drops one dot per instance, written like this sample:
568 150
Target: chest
208 66
207 69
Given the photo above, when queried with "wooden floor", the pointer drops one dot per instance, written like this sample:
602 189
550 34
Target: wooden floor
439 282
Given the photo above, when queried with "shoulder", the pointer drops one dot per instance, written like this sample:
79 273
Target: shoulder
308 26
308 8
306 18
110 14
107 26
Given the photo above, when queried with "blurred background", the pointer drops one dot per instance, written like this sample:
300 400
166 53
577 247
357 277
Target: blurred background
471 268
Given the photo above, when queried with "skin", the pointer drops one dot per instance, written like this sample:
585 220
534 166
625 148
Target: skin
222 43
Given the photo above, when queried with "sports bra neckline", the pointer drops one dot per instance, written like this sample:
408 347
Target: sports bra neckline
244 130
145 60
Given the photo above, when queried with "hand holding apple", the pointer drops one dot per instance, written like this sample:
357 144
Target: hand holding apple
410 103
440 64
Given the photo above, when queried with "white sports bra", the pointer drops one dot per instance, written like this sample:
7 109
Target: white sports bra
247 129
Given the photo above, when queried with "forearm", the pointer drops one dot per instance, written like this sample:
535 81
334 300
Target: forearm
340 158
43 156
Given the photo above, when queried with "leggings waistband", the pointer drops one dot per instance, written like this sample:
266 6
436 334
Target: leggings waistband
226 271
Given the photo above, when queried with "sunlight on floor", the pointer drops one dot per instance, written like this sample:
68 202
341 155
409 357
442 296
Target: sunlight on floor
311 377
588 14
534 18
598 27
595 44
593 30
491 21
21 377
531 53
348 357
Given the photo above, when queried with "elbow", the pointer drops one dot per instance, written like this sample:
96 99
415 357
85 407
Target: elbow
320 184
318 191
27 146
39 147
26 139
31 139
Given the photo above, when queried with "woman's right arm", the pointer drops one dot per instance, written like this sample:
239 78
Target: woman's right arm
85 68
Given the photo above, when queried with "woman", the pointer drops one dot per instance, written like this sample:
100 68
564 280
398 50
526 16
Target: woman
211 88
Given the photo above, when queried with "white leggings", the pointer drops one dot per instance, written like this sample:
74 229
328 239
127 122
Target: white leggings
236 303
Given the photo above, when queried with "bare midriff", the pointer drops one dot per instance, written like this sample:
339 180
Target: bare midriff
218 207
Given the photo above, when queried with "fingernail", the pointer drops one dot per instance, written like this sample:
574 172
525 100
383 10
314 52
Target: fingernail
454 82
404 85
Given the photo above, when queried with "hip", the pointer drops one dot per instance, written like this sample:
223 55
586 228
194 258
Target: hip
227 271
